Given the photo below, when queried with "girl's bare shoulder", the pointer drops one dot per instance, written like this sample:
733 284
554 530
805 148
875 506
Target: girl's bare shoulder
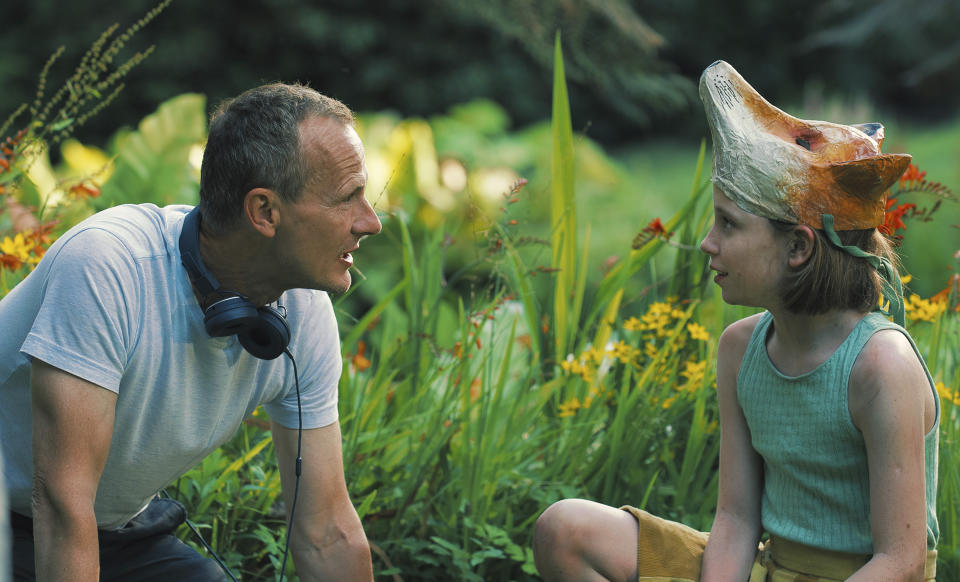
887 354
888 373
737 335
732 347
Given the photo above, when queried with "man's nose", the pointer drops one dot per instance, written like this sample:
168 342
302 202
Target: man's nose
368 223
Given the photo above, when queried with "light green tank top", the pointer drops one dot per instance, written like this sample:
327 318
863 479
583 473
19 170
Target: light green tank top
816 482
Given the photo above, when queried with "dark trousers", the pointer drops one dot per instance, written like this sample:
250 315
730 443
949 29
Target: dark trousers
145 550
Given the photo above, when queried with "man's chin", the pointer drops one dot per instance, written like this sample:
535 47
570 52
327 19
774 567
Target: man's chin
337 287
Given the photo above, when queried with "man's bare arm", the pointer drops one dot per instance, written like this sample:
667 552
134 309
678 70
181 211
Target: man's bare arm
72 430
327 541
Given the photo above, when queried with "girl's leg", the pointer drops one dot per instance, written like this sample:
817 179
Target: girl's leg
577 540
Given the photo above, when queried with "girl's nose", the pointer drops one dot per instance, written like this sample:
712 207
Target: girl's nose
707 245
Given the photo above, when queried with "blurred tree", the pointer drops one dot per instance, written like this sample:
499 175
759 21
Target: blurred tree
607 46
633 64
912 48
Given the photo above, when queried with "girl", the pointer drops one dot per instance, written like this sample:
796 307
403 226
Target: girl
829 417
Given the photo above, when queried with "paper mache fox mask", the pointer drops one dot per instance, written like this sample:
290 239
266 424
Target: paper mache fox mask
780 167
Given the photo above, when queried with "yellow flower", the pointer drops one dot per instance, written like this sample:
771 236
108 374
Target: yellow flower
697 331
623 352
592 354
669 402
947 394
578 367
658 316
18 251
694 372
17 246
919 309
571 406
650 349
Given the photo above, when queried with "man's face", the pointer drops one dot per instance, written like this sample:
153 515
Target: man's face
322 229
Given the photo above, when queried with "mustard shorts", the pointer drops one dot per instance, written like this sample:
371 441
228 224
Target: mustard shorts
668 551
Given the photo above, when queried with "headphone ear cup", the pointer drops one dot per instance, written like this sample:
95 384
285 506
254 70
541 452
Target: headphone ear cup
268 336
229 316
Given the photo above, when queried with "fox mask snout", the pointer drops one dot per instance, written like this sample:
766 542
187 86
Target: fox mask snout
777 166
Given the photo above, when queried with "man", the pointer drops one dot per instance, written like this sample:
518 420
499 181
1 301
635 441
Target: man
111 336
4 532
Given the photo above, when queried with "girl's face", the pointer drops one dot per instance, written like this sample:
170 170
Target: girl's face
749 256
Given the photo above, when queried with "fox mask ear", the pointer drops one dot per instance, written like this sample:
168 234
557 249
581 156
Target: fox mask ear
870 177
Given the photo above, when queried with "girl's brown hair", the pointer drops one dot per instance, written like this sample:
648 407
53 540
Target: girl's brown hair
833 279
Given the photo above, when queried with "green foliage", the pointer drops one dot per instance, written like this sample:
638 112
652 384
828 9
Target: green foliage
154 162
563 217
94 84
232 500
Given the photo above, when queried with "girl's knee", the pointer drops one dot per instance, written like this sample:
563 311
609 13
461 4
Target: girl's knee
558 521
577 539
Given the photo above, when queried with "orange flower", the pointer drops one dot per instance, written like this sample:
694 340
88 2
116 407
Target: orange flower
360 363
953 284
82 191
893 219
656 228
911 176
474 389
10 262
653 230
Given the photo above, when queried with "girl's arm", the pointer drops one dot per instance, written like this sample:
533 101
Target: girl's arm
736 527
892 404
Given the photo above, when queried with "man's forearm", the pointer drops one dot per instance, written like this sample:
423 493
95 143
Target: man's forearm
339 555
65 545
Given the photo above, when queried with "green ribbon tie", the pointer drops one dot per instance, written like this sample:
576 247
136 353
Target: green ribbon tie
892 287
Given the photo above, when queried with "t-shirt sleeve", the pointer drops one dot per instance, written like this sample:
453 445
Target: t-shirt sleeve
315 344
87 322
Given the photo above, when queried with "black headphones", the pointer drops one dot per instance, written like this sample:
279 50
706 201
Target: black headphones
262 331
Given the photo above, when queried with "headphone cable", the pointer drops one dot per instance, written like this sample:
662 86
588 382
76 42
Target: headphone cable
204 543
296 488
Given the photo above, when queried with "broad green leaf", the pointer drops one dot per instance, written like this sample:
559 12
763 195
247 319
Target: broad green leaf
153 163
563 217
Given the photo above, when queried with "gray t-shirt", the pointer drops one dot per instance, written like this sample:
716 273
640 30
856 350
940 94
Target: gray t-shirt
6 566
112 304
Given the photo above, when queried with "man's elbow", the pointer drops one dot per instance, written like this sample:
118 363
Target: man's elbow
332 540
48 505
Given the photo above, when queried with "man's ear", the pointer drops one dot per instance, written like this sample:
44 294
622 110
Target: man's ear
802 240
261 208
